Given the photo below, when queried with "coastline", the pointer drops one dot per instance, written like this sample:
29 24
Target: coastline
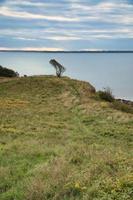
128 102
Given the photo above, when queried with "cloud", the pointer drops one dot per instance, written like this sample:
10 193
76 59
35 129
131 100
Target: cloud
32 49
110 12
66 23
5 11
25 3
36 4
24 38
66 35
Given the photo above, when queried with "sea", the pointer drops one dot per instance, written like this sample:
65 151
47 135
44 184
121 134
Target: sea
102 70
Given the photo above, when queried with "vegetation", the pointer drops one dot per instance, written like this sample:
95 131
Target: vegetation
106 95
122 106
5 72
58 67
57 142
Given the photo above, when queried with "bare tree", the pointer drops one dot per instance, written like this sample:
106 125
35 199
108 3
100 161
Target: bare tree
58 67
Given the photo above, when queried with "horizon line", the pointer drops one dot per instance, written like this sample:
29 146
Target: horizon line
68 51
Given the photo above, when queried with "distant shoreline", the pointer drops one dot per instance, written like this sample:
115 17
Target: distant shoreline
27 51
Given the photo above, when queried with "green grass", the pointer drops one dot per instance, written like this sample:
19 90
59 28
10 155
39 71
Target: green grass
57 142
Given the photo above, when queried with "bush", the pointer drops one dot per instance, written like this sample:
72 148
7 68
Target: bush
5 72
122 107
106 95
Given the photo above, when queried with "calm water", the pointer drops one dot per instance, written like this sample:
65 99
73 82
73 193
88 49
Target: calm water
114 70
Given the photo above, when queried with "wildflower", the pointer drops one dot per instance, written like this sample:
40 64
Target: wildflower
77 185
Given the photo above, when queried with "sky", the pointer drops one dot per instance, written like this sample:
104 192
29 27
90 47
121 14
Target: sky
57 25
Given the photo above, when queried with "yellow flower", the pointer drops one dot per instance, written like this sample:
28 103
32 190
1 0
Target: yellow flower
77 185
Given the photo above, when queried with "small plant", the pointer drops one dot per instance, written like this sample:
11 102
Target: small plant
106 95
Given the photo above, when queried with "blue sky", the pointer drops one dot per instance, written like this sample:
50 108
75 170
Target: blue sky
66 24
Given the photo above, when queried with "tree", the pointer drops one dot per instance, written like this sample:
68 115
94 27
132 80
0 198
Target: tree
5 72
58 67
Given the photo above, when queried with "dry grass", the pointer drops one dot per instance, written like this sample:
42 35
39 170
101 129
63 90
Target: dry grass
12 103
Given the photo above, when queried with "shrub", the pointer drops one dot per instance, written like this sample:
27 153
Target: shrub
5 72
122 107
106 95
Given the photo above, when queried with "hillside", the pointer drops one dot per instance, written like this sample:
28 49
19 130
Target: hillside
57 142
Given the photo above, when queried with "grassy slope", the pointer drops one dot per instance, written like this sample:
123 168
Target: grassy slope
58 143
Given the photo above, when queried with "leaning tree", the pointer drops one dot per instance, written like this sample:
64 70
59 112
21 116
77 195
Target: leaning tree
58 67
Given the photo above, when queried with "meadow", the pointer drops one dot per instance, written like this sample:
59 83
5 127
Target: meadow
59 142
